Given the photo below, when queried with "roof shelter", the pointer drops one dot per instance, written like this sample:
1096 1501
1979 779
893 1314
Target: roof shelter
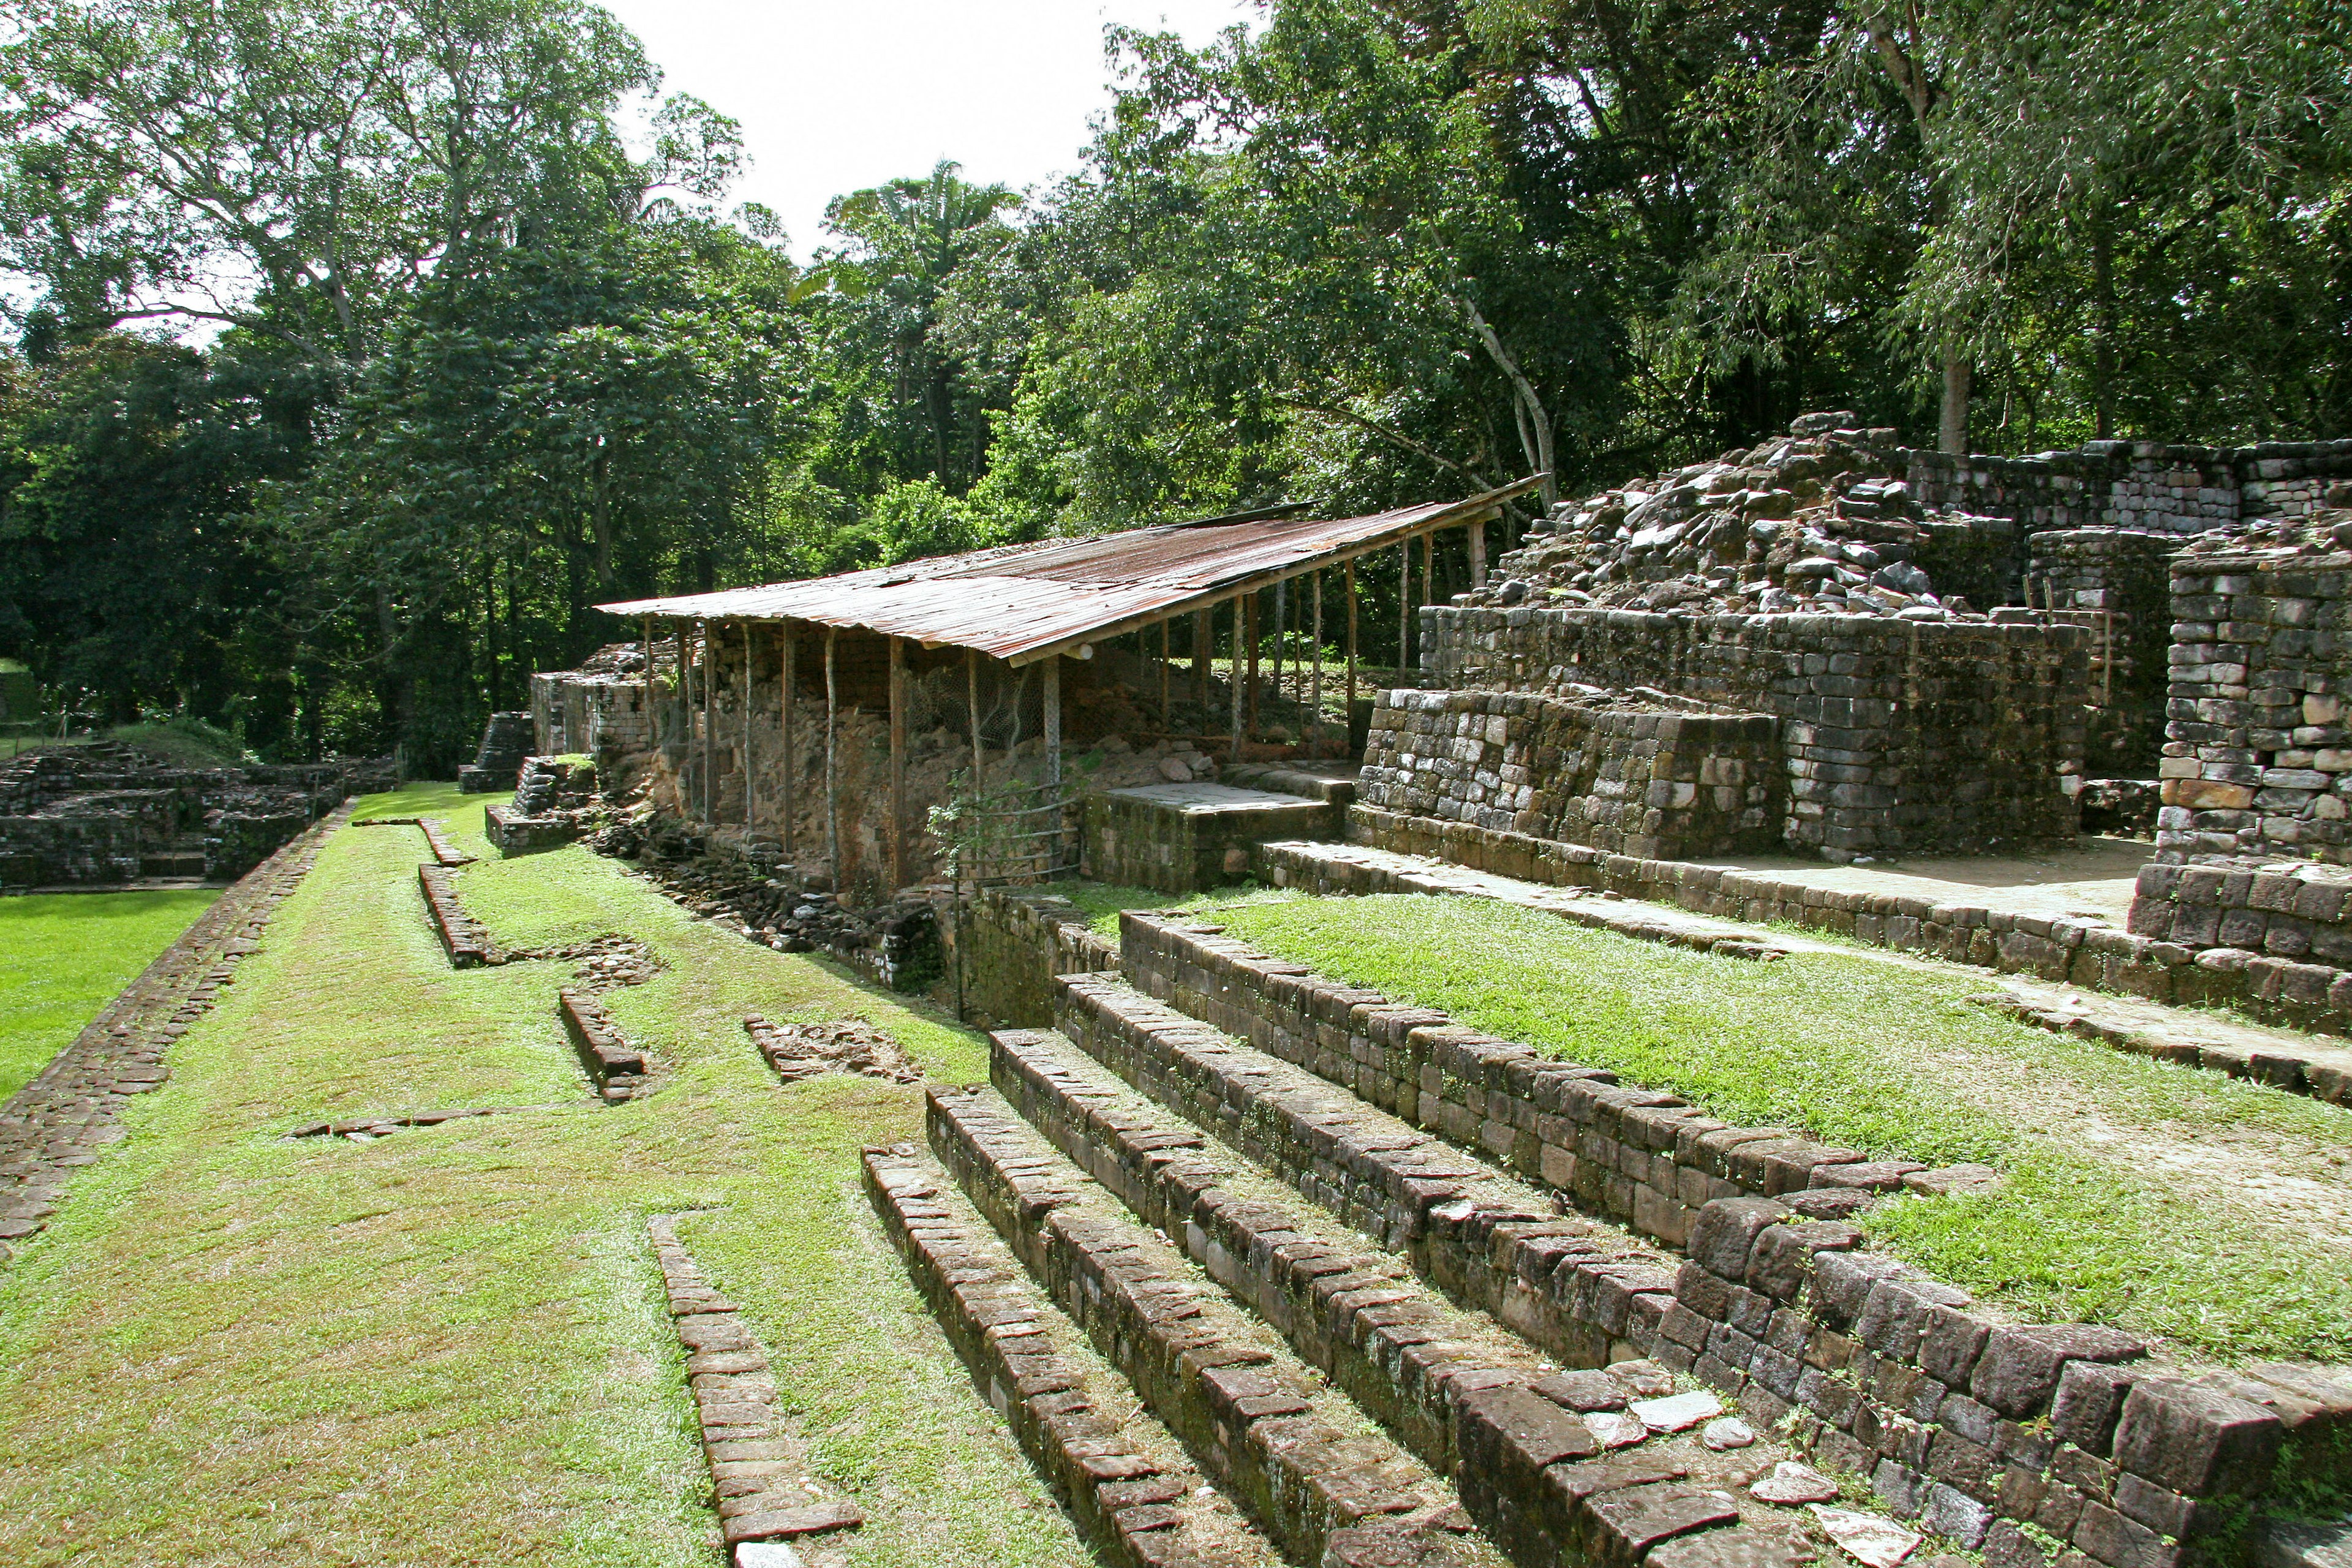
1037 603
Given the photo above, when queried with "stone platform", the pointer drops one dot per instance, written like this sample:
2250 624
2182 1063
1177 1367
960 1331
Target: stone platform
1185 837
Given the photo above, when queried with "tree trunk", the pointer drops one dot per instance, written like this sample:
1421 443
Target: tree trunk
1527 405
2103 370
1952 429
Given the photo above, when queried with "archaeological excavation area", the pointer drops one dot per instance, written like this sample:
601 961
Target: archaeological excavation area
1790 1013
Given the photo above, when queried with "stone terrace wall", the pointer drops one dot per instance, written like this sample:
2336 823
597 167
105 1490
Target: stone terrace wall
2043 1446
2258 758
1894 735
2135 484
1633 780
1012 943
603 715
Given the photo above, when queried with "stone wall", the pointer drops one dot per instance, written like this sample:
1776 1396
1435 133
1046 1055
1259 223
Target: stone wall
1634 778
2135 484
1185 838
2115 583
1010 942
602 714
1895 735
2258 757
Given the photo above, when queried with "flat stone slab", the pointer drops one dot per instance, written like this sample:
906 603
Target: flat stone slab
1206 799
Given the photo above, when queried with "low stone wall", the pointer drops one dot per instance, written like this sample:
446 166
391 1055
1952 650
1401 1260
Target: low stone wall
464 938
1010 942
1894 735
1632 778
2258 756
617 1068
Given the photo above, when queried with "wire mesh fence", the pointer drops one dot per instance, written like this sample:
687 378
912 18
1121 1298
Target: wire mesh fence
1007 834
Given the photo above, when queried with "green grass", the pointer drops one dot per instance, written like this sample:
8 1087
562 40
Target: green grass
447 1346
63 956
1102 902
2089 1224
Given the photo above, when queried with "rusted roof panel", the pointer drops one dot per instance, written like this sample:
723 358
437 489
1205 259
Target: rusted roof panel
1022 602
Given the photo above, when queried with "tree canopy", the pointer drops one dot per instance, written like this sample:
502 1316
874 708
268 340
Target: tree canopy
364 347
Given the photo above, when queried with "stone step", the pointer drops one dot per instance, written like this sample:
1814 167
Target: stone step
1464 1395
1135 1497
1302 1459
1585 1291
1185 837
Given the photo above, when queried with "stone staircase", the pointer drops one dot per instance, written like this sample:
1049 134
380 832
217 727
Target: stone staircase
1384 1289
1375 1348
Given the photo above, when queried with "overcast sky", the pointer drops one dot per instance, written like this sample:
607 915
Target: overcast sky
833 98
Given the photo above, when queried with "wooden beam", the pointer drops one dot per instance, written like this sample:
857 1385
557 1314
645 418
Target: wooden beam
1404 604
1477 554
1314 681
785 650
1351 731
709 717
751 774
1203 641
832 771
653 736
1054 756
972 700
1234 675
1251 617
897 765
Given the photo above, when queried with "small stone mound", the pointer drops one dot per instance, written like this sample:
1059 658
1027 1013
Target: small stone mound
848 1045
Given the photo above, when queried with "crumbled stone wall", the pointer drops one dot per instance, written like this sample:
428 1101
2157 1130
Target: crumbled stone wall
1635 778
1895 735
106 813
1012 942
2135 484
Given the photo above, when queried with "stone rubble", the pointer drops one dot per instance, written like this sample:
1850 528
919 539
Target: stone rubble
799 1051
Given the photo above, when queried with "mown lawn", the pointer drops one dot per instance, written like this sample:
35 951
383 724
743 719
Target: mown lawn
2134 1192
63 956
446 1346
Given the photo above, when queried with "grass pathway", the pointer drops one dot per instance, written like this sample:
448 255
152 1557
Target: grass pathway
447 1346
2215 1211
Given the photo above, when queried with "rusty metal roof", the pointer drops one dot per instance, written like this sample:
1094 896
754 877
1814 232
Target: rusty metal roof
1022 603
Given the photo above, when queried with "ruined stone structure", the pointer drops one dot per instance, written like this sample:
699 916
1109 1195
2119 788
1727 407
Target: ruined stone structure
104 814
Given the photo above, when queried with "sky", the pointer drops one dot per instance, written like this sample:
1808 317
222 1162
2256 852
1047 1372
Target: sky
835 98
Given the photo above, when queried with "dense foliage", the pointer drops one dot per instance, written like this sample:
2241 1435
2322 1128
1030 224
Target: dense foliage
474 356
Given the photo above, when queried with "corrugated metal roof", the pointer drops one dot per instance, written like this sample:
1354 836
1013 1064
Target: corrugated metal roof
1024 601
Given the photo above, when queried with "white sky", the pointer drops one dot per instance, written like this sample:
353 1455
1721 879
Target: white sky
835 98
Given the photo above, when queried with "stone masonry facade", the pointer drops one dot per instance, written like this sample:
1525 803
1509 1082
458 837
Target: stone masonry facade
1632 778
1894 735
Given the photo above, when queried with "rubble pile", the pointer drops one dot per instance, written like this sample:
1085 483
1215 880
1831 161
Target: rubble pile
846 1046
1818 522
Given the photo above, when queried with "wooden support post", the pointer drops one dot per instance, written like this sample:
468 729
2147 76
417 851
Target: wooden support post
1203 641
651 735
832 773
1479 552
1428 575
897 765
1314 681
751 775
685 710
972 700
1281 625
1234 675
1404 605
1351 651
709 717
785 648
1165 660
1251 635
1053 678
